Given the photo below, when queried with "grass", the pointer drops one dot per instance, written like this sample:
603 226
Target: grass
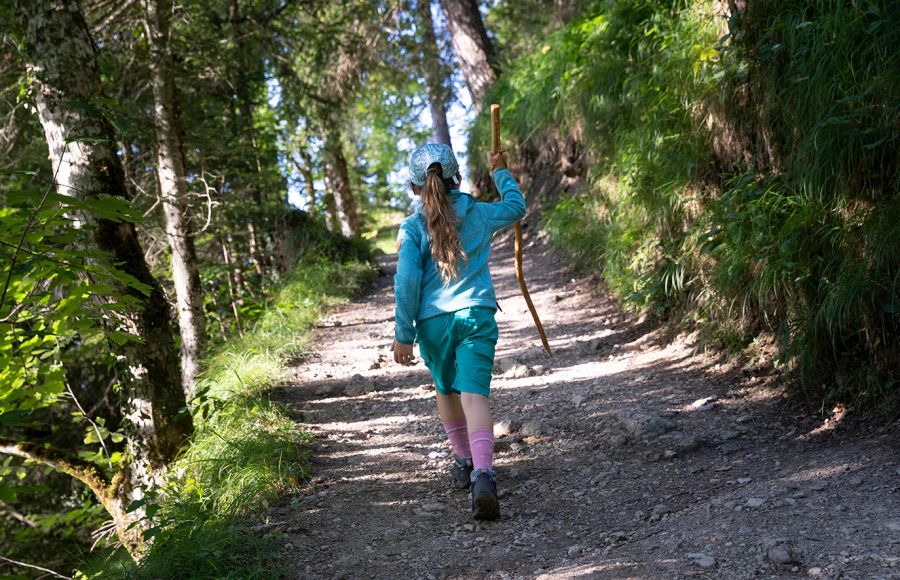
744 175
246 451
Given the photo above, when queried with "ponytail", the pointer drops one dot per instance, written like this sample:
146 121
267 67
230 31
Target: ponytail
441 222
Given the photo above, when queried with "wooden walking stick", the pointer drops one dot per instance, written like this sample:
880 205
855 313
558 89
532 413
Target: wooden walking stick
520 274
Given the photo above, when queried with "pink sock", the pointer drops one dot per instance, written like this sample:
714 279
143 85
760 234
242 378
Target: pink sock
459 437
482 444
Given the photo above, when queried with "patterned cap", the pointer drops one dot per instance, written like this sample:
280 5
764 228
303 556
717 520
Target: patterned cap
421 158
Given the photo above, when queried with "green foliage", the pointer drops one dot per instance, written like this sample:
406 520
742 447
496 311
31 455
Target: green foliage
745 175
246 450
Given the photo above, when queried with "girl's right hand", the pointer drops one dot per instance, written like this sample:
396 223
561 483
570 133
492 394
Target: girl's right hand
403 353
497 160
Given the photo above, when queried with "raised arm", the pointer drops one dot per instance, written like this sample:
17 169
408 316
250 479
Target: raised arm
511 207
407 284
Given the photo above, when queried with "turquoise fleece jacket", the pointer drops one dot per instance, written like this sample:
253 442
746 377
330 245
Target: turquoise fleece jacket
419 292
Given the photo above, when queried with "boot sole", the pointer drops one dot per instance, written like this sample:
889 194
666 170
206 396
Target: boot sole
485 507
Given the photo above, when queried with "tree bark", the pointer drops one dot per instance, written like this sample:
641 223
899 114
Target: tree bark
245 126
435 75
339 178
171 173
472 46
63 73
332 221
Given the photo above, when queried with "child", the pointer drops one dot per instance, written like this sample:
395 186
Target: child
445 301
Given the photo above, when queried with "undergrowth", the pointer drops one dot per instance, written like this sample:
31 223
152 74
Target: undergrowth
744 175
246 451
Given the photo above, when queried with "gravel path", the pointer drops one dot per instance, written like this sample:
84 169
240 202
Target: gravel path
626 455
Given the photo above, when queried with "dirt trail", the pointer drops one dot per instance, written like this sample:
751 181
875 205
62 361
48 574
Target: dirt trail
624 456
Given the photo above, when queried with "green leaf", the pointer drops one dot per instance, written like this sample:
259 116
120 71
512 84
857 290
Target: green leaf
121 338
135 505
151 533
7 494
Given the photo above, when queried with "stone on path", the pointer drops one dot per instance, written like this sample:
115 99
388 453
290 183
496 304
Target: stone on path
535 428
504 428
781 555
644 426
701 559
703 404
358 385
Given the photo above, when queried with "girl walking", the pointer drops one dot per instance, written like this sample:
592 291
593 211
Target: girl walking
445 302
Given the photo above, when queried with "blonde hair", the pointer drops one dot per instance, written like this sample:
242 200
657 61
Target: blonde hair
442 222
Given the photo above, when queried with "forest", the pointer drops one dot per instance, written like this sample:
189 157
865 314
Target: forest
189 188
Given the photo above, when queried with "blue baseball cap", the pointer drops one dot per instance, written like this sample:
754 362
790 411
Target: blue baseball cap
424 156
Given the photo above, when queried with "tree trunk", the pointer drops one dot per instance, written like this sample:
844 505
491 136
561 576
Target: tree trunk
231 273
339 178
435 75
306 171
245 108
472 46
173 193
332 221
63 73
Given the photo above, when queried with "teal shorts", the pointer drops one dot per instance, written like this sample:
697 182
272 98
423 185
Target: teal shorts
458 349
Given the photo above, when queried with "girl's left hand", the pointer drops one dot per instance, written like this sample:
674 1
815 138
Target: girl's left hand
403 353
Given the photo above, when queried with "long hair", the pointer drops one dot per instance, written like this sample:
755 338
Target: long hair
442 223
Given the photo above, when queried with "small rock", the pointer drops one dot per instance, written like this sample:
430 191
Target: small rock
818 485
780 555
574 550
535 428
892 525
744 480
754 502
358 385
682 441
703 404
437 455
578 400
815 572
897 470
501 365
328 389
435 506
669 454
518 371
644 426
504 428
661 509
701 559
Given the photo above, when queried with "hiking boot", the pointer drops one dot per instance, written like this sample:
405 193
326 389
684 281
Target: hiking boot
484 495
461 471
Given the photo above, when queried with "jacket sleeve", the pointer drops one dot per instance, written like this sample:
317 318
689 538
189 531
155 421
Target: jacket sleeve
511 207
407 283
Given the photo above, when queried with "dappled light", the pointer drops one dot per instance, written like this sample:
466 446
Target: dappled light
653 243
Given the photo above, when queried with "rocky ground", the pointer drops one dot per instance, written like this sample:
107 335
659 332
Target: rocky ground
626 455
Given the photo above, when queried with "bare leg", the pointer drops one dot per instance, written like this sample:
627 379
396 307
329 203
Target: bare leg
478 412
449 408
